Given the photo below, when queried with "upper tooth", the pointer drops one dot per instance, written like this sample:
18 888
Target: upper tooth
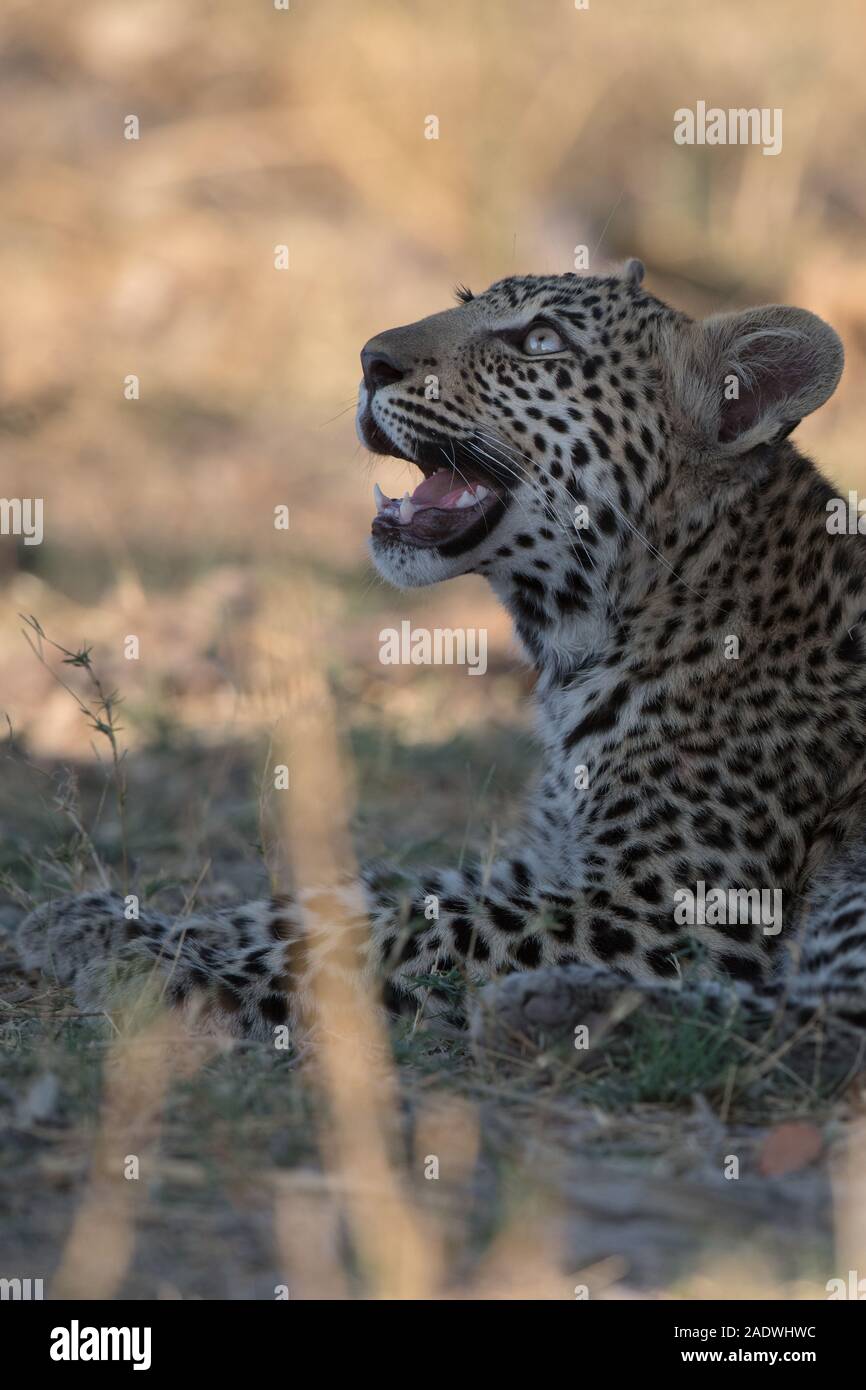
380 498
465 500
407 509
481 493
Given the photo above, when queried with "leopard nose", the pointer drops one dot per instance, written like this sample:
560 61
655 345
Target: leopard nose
380 367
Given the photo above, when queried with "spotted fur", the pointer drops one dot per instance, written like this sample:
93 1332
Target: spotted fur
666 759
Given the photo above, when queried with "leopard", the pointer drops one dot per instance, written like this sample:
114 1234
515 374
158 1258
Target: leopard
622 475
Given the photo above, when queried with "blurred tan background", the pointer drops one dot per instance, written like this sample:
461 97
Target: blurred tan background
155 257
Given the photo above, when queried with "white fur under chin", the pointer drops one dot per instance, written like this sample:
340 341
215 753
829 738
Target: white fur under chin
407 567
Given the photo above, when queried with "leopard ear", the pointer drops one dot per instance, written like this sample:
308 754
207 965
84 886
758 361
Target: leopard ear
748 379
633 272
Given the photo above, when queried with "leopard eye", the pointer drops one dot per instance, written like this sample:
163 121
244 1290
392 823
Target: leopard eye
540 340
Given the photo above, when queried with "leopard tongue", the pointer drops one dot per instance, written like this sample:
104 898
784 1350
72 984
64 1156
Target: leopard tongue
438 490
435 491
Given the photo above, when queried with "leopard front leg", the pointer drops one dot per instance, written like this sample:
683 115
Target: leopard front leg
253 969
479 921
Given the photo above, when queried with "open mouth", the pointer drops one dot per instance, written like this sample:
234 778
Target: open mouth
455 506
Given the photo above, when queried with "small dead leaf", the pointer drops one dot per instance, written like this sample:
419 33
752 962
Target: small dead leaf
789 1147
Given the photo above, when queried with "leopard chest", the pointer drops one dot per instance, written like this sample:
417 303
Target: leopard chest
582 729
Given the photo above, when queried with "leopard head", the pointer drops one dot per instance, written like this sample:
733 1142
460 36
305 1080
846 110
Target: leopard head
553 418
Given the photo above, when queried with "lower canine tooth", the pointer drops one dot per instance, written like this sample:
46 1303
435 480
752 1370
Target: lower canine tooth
379 497
407 510
465 500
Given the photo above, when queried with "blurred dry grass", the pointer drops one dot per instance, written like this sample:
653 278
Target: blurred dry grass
155 258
